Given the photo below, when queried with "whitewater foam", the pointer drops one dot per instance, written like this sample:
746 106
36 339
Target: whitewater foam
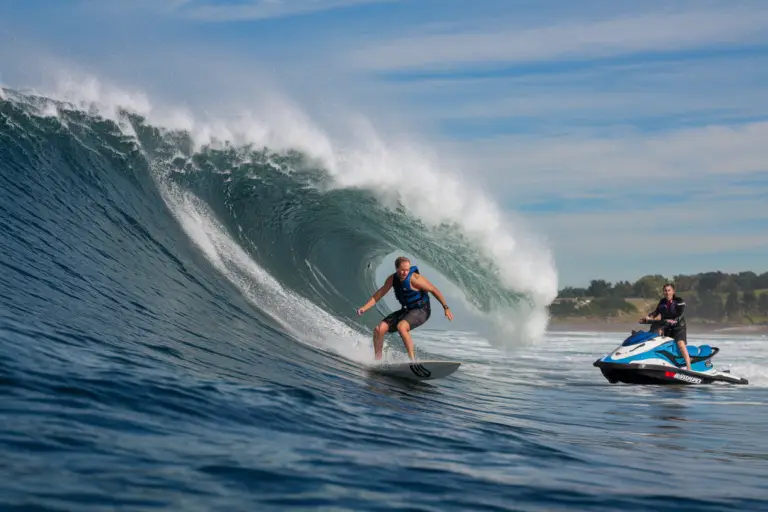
754 373
436 195
396 171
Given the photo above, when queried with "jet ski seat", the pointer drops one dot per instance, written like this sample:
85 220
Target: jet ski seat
702 351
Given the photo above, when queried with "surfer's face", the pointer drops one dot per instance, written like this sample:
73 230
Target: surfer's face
402 270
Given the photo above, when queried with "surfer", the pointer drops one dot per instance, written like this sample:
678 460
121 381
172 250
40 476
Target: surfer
412 291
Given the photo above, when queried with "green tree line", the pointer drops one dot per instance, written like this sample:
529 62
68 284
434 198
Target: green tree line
713 296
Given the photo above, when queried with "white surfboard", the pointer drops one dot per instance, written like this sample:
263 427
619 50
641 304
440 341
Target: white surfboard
416 370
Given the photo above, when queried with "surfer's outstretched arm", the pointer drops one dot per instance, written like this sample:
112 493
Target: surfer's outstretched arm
376 296
422 283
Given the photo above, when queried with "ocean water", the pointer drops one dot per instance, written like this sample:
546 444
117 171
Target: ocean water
177 332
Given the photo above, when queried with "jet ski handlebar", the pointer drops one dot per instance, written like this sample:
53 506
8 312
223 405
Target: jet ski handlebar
652 322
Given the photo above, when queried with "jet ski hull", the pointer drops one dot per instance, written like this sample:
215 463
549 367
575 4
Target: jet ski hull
649 374
650 357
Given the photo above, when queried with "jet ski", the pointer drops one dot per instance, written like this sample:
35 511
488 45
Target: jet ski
647 357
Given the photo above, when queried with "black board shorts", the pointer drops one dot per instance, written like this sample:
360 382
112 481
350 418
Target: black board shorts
414 317
679 333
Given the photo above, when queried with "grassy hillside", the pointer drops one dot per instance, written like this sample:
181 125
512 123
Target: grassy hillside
711 298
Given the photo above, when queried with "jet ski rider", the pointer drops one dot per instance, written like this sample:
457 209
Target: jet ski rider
671 309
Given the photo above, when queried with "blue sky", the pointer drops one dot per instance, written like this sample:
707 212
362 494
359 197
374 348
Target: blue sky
631 134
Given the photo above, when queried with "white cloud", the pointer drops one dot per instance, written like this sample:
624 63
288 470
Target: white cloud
218 12
715 177
648 244
519 166
259 9
653 32
680 218
648 237
688 89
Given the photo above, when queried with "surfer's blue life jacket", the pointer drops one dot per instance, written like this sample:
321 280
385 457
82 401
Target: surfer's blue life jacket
407 296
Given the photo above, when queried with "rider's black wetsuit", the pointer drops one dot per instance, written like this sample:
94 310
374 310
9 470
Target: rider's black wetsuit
672 310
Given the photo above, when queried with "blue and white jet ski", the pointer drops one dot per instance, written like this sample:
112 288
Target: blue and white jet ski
647 357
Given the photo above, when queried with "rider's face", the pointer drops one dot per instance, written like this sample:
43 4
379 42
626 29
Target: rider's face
668 292
402 270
